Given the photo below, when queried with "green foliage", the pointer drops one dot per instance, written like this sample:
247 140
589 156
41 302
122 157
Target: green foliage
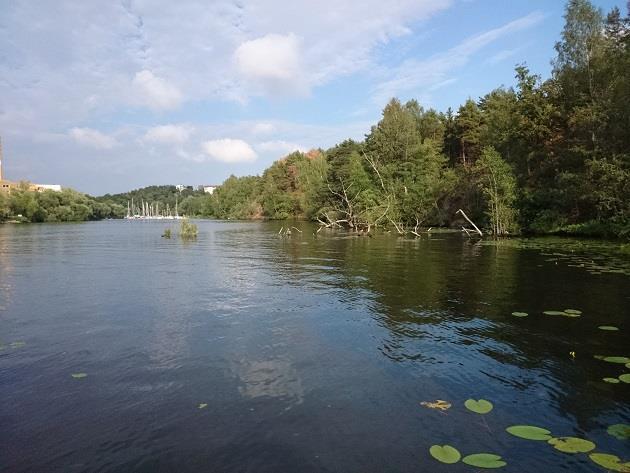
484 460
480 407
187 230
499 187
445 453
529 432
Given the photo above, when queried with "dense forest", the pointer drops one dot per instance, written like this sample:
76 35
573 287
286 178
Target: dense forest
546 156
542 157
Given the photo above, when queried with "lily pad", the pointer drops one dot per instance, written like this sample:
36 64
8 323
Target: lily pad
520 314
610 462
625 378
619 431
445 453
480 407
599 357
627 365
484 460
612 380
17 344
573 311
203 405
554 312
617 359
610 328
79 375
529 432
571 444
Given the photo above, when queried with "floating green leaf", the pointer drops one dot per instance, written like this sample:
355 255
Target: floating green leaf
554 312
484 460
599 357
445 453
480 407
617 359
203 406
17 344
573 311
610 462
625 378
520 314
529 432
79 375
627 365
611 380
571 444
619 431
610 328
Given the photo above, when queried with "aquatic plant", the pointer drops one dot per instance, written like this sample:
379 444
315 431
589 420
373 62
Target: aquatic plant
625 378
187 230
610 462
79 375
480 407
571 444
520 314
529 432
438 404
445 453
167 233
484 460
619 431
610 328
202 406
611 380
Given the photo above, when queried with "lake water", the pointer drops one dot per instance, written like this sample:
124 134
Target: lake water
245 351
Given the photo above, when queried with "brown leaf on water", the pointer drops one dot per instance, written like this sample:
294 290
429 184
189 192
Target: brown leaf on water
438 404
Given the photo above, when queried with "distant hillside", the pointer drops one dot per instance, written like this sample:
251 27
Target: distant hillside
164 195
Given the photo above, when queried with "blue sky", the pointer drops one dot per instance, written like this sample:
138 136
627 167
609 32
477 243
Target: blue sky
110 96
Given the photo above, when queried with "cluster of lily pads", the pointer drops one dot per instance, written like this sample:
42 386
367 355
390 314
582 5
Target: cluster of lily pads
622 360
565 313
450 455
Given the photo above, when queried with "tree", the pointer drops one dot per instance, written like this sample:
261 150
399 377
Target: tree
498 184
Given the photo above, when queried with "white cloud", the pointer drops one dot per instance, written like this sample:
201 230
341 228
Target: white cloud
273 63
168 134
435 72
263 128
92 138
279 146
155 92
229 150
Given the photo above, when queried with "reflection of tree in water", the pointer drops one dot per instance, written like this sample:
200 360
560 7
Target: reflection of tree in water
461 293
6 270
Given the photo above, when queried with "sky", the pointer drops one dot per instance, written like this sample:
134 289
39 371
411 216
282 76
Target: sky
109 96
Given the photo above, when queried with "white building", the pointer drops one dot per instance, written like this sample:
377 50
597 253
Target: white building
209 189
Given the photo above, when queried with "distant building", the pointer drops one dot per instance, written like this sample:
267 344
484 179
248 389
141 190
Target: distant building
8 186
209 189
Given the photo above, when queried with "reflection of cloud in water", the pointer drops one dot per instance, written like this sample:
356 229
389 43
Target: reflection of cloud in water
270 378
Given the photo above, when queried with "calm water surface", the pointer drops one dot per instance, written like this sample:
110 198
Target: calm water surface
311 354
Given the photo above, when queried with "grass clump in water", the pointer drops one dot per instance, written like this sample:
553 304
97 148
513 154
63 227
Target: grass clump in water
167 233
187 230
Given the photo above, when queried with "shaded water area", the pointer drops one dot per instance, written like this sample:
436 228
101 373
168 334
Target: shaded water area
310 354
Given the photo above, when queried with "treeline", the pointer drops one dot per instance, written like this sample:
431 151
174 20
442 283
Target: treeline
167 196
544 156
25 205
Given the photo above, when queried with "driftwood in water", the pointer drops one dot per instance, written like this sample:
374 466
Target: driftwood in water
460 211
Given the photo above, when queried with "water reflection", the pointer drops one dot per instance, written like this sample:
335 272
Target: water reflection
312 353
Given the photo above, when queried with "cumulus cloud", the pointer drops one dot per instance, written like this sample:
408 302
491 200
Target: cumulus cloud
279 146
155 92
273 63
168 134
229 150
92 138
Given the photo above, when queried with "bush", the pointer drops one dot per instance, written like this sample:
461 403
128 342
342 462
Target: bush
187 230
